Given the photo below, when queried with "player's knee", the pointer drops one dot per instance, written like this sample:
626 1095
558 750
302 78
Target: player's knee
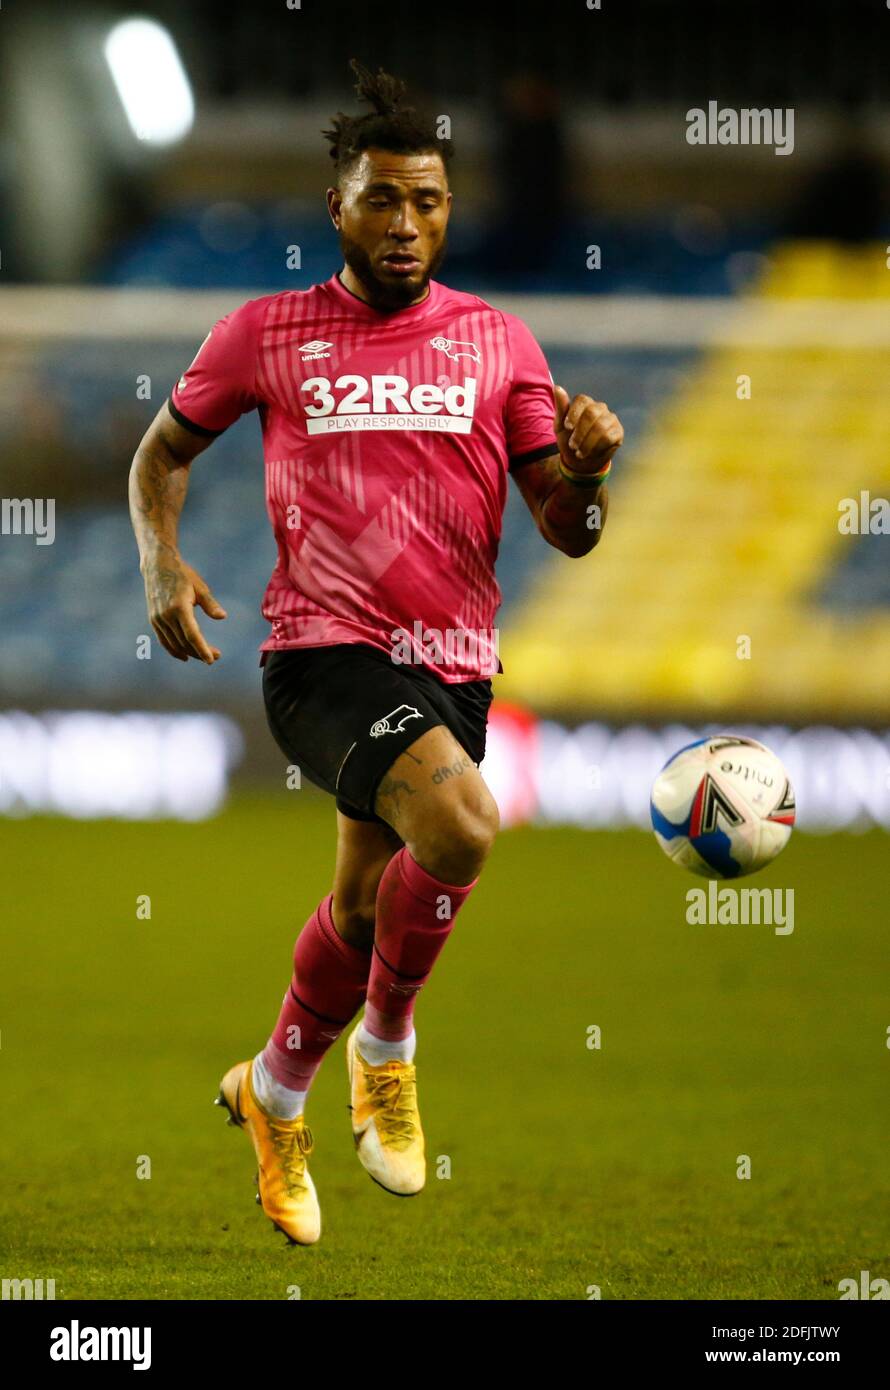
454 841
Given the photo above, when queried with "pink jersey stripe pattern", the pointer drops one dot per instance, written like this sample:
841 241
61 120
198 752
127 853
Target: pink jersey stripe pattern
387 441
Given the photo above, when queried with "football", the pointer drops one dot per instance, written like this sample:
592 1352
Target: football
723 806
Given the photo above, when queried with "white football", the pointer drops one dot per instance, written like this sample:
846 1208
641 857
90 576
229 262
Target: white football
723 806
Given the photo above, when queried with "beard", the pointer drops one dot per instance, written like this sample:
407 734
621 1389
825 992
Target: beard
386 295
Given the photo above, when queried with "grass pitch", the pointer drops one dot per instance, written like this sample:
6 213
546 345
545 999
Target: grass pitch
570 1166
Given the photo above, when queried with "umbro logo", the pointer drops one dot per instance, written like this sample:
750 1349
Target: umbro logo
454 349
310 351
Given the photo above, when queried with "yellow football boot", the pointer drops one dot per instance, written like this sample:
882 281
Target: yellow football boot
386 1122
286 1191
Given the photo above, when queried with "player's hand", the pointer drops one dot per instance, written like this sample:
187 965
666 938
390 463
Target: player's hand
587 431
172 589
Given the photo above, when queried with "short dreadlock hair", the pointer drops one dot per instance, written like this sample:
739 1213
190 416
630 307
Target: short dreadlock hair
390 126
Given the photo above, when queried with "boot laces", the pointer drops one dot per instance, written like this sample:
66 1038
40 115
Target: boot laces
393 1093
292 1143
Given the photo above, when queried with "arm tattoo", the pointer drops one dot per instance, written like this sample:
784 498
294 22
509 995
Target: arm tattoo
158 486
455 769
394 788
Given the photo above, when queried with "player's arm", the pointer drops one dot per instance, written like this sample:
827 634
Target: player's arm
157 488
566 492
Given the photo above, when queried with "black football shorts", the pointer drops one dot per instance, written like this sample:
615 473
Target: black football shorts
343 714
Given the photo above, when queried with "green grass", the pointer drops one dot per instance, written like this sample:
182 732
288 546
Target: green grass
570 1167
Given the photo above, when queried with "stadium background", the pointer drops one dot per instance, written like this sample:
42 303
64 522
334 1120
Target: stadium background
123 237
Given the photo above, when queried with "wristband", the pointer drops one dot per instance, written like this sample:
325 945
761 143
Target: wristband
585 479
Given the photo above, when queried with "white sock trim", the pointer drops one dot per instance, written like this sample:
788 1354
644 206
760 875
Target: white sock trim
276 1099
376 1051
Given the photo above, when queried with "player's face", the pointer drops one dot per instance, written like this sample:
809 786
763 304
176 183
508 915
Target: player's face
391 212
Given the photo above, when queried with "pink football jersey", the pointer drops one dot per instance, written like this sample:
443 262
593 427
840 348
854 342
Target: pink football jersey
388 438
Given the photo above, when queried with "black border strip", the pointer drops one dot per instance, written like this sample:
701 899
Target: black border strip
533 455
324 1018
401 974
190 424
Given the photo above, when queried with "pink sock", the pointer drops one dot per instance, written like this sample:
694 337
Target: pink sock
415 914
327 989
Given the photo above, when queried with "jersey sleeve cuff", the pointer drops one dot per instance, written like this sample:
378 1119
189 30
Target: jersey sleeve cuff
190 424
544 451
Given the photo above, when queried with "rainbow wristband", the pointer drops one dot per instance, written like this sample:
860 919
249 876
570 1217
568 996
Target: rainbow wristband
585 479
